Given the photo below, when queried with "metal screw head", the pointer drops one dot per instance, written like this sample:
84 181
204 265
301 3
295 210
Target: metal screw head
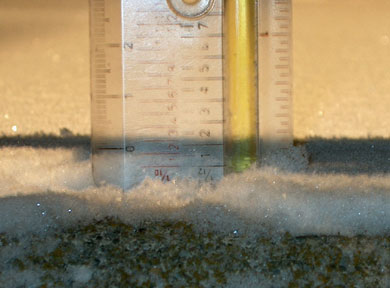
192 9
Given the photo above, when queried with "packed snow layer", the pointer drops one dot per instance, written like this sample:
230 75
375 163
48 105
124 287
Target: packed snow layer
41 189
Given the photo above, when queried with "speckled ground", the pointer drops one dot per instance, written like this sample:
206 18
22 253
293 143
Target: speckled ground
109 253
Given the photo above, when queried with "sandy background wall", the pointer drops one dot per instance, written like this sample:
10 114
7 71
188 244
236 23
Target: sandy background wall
342 60
341 67
44 66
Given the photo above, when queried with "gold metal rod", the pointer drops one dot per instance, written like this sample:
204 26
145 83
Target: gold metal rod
240 108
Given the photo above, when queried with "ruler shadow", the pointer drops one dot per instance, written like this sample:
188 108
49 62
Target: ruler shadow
46 141
369 156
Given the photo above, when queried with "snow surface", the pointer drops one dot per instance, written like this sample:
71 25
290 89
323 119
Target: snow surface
42 189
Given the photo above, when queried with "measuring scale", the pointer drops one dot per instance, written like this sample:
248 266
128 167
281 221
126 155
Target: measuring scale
188 89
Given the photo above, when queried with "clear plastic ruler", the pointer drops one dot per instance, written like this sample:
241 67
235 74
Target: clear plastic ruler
184 88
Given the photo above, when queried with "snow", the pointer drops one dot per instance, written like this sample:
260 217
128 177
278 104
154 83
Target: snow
43 189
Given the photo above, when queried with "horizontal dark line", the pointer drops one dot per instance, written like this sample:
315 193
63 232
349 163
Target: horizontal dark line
45 141
370 156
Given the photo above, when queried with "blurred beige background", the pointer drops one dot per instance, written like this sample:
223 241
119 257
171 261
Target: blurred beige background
341 67
44 66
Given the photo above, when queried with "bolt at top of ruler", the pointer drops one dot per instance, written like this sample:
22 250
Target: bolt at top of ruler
190 8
